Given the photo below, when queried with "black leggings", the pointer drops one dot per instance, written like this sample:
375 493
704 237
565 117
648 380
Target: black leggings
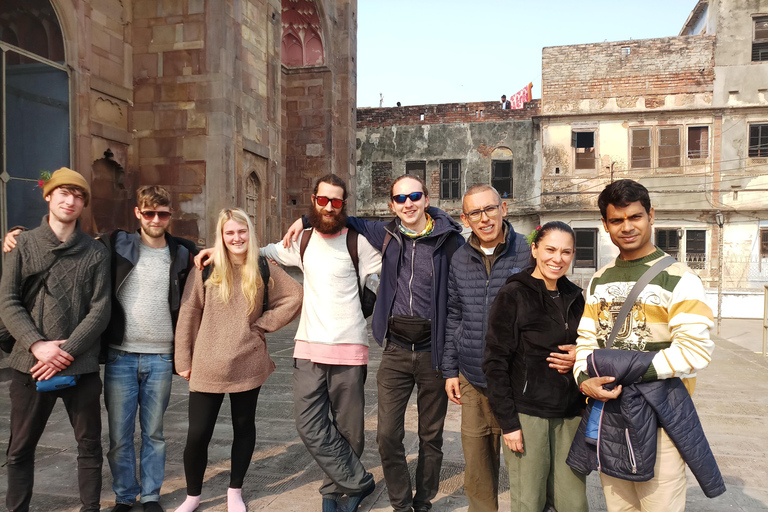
203 411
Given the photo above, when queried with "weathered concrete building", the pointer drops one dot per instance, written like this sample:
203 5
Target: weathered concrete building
452 147
683 115
230 102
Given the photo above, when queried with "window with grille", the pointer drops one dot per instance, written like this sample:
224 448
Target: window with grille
417 169
586 248
584 142
758 140
449 179
760 39
641 148
669 147
501 177
763 243
698 142
696 248
668 241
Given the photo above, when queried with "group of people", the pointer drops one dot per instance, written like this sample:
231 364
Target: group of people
493 325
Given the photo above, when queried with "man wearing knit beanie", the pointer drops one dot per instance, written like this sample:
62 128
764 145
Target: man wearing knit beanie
57 330
70 180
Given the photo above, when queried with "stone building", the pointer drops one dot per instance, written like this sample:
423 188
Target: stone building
687 117
225 103
452 147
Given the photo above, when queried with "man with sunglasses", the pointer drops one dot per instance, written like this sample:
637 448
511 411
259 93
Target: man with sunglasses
409 321
478 270
331 351
149 269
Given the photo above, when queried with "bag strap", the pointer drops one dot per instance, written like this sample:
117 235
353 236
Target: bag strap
641 283
304 243
352 249
264 271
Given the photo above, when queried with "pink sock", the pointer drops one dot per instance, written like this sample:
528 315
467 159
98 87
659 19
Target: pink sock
235 500
190 504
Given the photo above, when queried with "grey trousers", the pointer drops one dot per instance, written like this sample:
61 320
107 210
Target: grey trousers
329 405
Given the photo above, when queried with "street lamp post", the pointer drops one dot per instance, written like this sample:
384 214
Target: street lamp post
720 219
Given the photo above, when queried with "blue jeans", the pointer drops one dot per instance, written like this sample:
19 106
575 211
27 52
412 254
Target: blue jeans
134 381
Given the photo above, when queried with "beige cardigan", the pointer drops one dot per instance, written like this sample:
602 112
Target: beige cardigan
224 348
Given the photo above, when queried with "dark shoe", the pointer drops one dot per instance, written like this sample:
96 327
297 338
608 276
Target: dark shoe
356 499
152 506
122 507
329 504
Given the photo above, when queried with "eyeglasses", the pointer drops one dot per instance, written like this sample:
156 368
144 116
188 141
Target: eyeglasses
150 214
490 211
336 203
413 196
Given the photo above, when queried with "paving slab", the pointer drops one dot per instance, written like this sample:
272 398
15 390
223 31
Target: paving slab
731 397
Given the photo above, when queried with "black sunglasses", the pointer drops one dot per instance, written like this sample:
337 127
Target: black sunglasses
413 196
336 203
150 214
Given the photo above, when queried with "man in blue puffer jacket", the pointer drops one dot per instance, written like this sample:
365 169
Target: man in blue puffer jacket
479 268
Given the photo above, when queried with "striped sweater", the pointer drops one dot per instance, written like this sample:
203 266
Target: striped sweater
669 316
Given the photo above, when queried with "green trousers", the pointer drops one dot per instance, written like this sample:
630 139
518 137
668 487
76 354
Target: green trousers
539 476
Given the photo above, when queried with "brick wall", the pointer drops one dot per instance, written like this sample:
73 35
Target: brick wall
671 65
381 179
488 111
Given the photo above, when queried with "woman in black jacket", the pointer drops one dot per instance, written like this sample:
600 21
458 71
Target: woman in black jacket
535 399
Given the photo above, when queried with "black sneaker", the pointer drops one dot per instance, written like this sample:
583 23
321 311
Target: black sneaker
122 507
152 506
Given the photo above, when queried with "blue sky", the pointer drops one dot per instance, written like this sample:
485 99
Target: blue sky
446 51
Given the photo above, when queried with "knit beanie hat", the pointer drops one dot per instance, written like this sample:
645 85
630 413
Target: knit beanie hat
66 176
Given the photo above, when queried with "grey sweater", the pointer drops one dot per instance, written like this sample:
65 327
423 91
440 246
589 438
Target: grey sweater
75 304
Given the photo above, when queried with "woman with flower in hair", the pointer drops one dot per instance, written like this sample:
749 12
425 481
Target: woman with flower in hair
220 348
534 398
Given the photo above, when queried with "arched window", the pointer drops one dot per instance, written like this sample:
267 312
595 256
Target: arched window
302 43
36 125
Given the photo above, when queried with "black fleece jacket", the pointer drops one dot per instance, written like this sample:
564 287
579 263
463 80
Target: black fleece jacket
524 326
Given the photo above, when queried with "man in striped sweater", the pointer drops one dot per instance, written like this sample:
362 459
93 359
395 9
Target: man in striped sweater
669 317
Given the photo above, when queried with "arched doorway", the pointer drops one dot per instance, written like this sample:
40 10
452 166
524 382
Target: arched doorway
35 122
253 203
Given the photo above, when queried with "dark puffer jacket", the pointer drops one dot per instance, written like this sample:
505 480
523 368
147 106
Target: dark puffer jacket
449 239
626 444
524 327
471 291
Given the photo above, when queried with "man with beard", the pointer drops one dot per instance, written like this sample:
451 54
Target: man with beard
149 269
331 352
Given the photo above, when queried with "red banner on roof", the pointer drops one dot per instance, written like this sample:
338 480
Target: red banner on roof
518 100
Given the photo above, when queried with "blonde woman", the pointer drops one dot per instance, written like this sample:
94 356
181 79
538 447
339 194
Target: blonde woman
220 348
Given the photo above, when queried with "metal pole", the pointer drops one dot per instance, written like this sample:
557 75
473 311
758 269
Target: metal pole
719 219
765 319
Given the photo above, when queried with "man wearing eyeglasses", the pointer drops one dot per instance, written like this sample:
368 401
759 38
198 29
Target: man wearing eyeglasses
409 321
478 270
149 269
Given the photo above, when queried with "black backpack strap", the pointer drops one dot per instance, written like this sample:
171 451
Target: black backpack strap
264 271
207 272
352 249
303 243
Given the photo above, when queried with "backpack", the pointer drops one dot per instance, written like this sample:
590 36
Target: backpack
263 270
367 296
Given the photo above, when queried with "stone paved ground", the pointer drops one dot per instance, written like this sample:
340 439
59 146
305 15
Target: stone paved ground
731 397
